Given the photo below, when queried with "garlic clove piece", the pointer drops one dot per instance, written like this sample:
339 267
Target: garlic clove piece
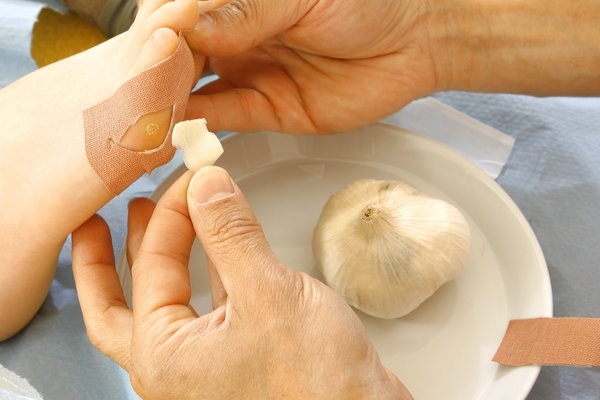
200 146
386 247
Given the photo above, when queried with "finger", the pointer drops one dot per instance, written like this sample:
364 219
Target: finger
107 319
248 109
252 94
226 29
160 276
140 211
231 235
200 66
218 294
242 110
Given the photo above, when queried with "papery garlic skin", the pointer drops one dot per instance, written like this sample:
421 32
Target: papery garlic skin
386 247
200 146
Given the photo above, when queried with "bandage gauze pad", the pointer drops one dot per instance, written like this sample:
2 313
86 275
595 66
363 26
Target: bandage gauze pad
200 146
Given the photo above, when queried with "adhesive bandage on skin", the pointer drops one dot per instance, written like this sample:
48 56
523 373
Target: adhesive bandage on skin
162 86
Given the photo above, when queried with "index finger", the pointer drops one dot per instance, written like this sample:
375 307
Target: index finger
105 313
160 276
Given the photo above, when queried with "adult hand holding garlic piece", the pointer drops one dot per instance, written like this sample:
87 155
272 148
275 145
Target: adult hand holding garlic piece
273 332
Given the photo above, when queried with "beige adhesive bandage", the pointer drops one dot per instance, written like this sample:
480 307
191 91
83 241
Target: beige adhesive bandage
551 341
164 85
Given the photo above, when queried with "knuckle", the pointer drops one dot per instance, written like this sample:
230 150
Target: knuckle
237 9
96 332
233 227
100 330
95 338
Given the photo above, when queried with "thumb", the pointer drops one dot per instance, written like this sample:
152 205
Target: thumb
236 26
231 235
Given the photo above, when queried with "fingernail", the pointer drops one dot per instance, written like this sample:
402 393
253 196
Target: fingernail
210 184
205 21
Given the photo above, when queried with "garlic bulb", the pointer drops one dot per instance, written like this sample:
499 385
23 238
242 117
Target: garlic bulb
200 146
386 247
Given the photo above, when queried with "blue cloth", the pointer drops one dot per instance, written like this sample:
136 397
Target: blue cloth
553 175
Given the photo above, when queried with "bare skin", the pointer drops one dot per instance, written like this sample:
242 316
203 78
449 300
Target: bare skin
322 66
48 186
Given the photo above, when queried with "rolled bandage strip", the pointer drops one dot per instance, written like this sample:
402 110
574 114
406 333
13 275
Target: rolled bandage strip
166 84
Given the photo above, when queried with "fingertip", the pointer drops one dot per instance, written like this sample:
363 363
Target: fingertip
224 28
205 22
95 222
140 205
95 226
92 243
210 184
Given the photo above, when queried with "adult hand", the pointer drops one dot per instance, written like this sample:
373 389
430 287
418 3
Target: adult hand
315 66
311 66
273 333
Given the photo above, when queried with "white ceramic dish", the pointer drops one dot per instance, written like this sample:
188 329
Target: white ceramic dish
442 350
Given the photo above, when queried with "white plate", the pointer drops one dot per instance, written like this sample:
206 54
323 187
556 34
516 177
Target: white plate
442 350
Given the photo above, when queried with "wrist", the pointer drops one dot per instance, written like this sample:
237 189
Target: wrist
547 47
367 380
388 387
370 381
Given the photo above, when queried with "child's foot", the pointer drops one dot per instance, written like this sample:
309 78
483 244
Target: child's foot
47 185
